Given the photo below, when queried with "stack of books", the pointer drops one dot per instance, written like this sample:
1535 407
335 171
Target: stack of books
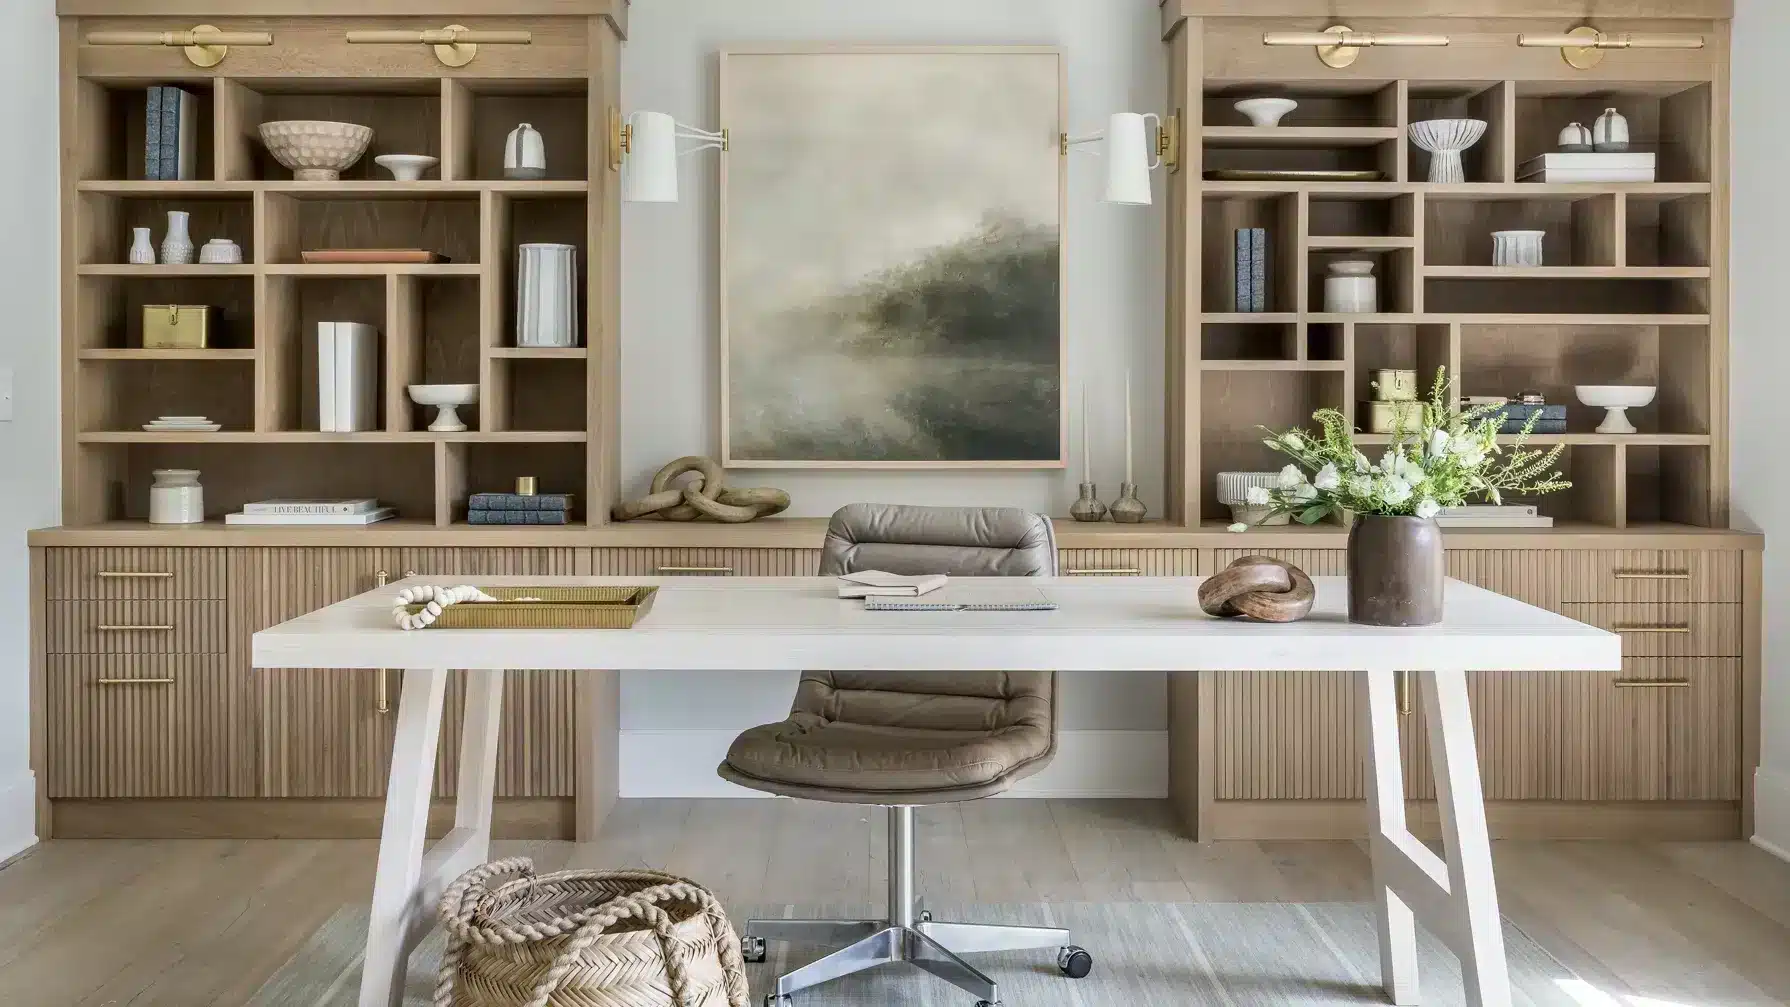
519 508
170 135
1494 516
347 377
1608 167
363 511
1251 269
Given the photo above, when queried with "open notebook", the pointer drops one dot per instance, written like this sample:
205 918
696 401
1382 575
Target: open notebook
962 596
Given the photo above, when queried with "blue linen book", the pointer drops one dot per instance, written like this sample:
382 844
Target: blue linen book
170 146
531 517
152 135
1258 269
519 502
1244 270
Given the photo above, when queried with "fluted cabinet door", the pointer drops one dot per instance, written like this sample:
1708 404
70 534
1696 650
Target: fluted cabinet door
321 730
535 755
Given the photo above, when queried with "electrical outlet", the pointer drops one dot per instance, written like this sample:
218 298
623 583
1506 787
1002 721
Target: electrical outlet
5 395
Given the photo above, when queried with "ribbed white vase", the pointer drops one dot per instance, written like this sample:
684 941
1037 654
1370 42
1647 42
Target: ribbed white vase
547 295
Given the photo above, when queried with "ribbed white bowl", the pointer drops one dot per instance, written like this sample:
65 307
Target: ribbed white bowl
315 151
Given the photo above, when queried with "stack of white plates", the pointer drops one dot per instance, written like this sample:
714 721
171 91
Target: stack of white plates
183 424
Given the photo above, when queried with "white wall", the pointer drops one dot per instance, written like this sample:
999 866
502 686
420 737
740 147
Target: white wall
28 340
1761 359
1113 300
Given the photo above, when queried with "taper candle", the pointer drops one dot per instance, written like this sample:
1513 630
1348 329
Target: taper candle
1128 426
1087 471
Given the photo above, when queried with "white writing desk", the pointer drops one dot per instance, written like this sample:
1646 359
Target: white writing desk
792 623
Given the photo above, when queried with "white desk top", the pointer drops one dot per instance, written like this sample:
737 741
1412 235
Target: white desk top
784 623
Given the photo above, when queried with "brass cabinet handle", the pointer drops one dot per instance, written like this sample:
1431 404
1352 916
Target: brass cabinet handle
1118 571
135 575
1402 684
382 700
696 569
1652 683
163 628
134 681
1682 627
1653 575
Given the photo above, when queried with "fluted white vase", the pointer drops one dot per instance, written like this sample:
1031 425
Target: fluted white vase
547 295
142 249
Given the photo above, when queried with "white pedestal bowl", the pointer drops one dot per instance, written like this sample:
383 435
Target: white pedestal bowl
1445 139
1617 399
447 399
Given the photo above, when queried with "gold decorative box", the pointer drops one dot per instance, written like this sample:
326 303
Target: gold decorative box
176 326
1395 385
549 608
1385 417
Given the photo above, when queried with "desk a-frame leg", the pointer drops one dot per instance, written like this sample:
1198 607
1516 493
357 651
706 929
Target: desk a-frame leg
1455 898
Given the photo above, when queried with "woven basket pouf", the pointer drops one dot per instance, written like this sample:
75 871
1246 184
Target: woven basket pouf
586 939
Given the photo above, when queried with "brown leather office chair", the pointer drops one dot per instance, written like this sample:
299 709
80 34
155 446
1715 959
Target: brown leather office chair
908 739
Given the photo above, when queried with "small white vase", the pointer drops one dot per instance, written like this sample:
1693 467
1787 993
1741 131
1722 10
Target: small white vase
142 248
177 245
176 497
1517 248
1351 288
1609 135
524 153
1575 139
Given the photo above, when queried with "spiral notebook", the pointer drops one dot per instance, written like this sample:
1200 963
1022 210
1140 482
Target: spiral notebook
961 597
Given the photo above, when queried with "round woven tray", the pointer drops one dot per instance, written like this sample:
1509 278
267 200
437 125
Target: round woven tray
586 939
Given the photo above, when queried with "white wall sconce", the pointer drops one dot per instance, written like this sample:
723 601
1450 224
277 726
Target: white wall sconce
648 141
1128 145
1339 45
1583 47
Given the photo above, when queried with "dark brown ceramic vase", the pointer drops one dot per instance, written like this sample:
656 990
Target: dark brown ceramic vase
1396 570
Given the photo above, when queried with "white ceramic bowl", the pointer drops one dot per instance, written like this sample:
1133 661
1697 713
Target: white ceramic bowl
1445 139
1265 111
316 151
406 167
446 398
1617 400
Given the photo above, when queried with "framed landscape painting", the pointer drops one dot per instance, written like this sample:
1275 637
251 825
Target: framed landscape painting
891 244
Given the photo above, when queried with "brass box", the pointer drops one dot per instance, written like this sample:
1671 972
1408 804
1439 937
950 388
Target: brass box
1395 385
1385 417
176 326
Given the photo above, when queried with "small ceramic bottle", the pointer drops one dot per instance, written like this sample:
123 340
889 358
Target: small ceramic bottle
177 245
1575 139
524 153
1609 135
142 249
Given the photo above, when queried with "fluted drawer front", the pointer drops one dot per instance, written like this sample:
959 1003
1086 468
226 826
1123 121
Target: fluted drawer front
1667 629
100 574
1128 562
1315 562
148 726
1649 575
1704 724
706 562
137 627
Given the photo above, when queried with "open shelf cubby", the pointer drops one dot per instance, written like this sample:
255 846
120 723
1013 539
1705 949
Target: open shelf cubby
1487 101
1235 405
1670 118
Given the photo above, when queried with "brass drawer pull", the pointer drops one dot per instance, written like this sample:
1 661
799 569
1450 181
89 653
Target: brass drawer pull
1682 627
1652 683
135 681
696 569
135 575
382 698
165 628
1653 575
1121 571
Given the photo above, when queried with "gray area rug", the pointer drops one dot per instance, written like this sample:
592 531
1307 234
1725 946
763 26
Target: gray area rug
1144 953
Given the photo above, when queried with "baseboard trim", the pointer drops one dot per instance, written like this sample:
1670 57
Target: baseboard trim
1660 821
18 814
288 818
1771 812
1088 764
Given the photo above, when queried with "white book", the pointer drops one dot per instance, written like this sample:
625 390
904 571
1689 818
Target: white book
877 584
1495 522
345 506
370 517
1589 175
1491 510
186 161
357 377
1591 161
326 377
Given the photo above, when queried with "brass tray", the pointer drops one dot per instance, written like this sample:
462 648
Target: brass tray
1271 175
548 608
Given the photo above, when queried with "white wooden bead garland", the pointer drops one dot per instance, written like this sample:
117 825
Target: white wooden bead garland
434 599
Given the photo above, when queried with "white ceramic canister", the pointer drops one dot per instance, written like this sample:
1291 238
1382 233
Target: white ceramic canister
1610 133
176 497
524 153
546 294
1351 288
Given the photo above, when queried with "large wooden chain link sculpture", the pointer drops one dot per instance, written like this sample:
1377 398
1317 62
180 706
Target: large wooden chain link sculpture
707 498
1259 588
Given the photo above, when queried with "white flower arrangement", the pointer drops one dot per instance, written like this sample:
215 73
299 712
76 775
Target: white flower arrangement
1452 456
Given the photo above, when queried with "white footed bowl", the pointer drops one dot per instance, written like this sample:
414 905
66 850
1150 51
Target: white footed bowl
1445 139
1265 111
1617 400
448 399
406 167
316 151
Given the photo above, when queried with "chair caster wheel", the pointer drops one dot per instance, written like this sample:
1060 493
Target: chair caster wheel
752 950
773 1000
988 1003
1075 962
926 917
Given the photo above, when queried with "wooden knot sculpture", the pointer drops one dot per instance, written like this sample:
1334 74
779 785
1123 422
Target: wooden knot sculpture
704 498
1259 588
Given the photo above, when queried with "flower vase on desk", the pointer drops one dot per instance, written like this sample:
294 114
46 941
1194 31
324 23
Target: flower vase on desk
1128 509
1088 507
1396 571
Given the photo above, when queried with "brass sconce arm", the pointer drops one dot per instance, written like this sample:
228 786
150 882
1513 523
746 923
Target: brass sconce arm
1339 46
205 45
455 45
1583 47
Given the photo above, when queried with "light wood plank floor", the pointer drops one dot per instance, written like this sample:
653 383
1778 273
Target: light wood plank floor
192 922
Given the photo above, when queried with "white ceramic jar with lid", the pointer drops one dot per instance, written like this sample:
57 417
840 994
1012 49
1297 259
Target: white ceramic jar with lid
176 497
